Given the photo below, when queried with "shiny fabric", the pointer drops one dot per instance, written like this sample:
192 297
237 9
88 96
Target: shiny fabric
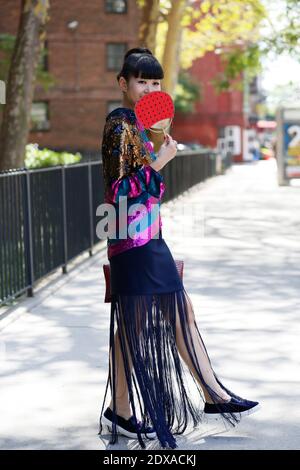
127 173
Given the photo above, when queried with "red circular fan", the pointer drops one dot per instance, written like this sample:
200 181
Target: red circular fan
153 107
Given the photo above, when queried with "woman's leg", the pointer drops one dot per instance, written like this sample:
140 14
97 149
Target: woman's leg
200 356
122 398
122 393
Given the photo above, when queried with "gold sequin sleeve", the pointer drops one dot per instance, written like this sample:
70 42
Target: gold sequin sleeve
124 155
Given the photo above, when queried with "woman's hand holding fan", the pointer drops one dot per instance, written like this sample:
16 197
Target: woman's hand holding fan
155 112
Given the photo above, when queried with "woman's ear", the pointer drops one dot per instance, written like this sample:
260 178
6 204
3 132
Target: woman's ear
123 84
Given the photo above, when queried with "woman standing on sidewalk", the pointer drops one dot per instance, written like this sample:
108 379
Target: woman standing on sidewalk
152 325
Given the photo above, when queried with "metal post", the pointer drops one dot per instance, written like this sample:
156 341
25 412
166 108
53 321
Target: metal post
28 244
279 148
90 208
64 221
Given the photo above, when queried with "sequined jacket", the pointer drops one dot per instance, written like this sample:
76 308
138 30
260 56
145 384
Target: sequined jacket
131 185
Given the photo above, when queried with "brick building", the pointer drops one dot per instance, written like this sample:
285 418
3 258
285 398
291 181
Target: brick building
86 42
216 116
214 111
219 119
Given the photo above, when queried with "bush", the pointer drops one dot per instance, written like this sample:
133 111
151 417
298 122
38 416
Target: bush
40 158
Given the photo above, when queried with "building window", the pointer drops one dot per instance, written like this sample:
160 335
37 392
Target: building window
111 105
43 63
114 55
40 116
116 6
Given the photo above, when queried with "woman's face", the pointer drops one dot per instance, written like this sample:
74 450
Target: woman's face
138 87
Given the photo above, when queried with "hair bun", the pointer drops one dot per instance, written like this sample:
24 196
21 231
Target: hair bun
137 50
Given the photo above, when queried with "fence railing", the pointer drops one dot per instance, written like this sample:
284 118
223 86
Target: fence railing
48 215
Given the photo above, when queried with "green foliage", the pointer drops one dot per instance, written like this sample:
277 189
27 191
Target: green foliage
285 31
236 62
38 158
188 92
247 42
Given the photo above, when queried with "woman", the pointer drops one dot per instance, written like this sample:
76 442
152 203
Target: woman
152 324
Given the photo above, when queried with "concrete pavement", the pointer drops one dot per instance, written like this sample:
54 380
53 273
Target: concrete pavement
239 237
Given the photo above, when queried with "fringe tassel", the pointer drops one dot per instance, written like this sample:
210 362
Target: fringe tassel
146 326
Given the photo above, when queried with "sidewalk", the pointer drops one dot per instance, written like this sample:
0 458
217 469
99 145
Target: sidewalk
242 273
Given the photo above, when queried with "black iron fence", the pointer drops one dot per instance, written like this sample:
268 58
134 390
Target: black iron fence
48 216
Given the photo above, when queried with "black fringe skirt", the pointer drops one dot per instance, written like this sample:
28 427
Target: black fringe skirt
148 300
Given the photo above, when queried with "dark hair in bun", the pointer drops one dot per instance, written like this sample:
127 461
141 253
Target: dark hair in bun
137 50
140 62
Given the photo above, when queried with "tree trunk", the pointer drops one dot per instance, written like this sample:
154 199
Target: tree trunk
148 24
21 81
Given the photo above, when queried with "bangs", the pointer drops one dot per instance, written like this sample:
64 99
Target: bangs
147 67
